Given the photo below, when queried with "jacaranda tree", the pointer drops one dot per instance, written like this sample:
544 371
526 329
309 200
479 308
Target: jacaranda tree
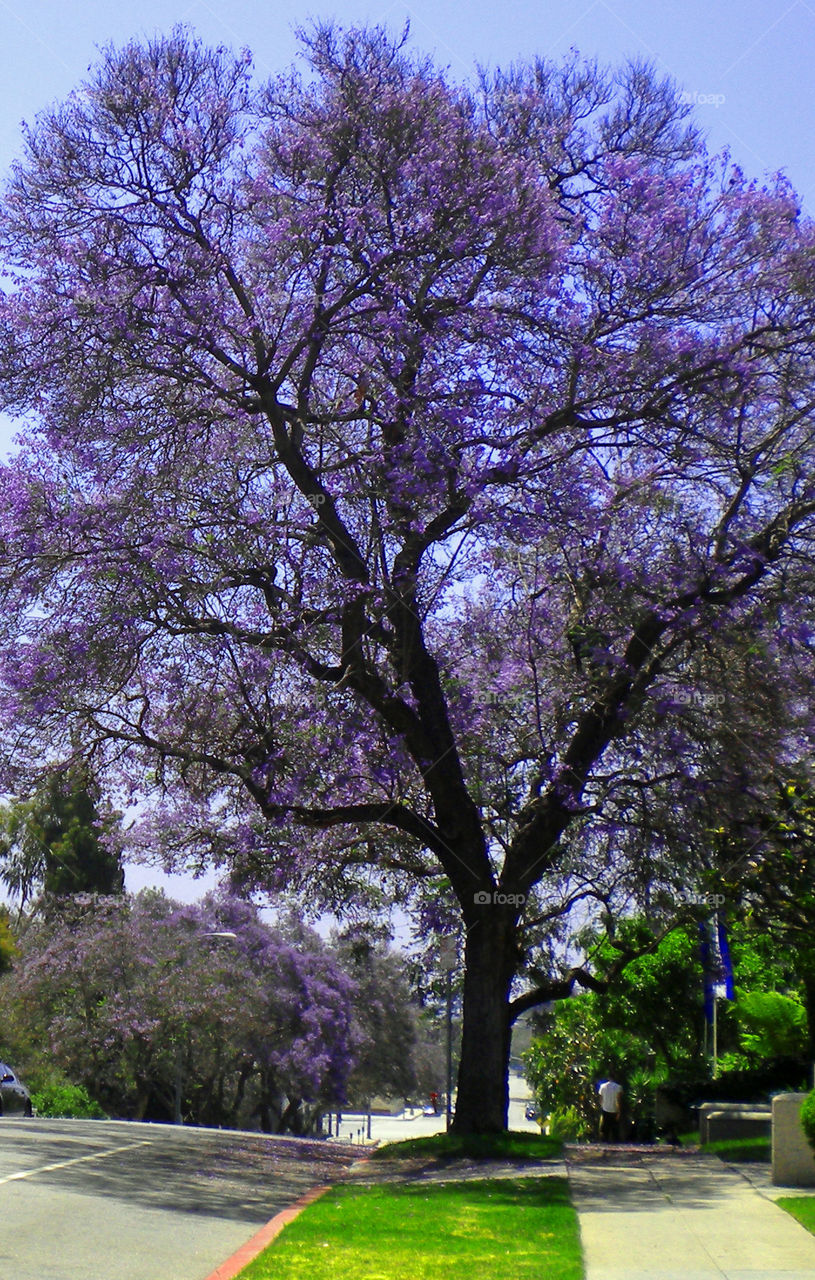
416 484
154 1006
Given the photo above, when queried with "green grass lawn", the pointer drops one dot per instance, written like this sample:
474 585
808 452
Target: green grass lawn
739 1150
802 1208
453 1146
504 1229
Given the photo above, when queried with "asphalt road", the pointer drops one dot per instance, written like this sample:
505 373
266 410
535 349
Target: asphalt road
108 1200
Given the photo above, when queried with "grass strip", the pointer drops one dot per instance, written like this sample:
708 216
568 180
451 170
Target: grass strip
802 1208
507 1229
453 1146
739 1150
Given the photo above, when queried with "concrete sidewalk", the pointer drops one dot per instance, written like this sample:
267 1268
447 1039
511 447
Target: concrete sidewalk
683 1218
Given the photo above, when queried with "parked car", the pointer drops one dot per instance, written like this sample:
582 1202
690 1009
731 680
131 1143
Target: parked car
14 1097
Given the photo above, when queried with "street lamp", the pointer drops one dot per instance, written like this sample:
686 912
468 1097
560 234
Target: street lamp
448 955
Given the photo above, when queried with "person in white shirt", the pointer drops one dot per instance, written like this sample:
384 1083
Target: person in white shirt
611 1105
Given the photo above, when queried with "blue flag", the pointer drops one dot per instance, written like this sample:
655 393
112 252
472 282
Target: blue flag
717 967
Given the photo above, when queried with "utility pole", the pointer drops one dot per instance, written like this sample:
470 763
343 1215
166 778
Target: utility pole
448 955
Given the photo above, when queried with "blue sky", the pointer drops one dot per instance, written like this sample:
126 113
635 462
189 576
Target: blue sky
746 64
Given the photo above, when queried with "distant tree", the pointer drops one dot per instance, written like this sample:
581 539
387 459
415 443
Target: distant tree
135 998
385 1019
430 1052
56 842
8 946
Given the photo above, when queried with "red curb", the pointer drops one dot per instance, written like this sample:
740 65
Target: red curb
248 1252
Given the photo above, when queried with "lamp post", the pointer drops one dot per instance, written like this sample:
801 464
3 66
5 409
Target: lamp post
448 955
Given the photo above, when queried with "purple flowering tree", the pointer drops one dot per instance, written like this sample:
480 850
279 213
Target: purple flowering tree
416 491
138 998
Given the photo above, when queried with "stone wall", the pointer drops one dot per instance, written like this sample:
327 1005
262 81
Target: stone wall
793 1157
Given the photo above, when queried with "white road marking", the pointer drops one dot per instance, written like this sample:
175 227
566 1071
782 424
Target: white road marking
63 1164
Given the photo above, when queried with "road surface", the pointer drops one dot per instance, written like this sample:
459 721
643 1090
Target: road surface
108 1200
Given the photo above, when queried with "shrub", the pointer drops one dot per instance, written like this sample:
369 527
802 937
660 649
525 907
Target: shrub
748 1084
771 1025
66 1101
568 1124
808 1118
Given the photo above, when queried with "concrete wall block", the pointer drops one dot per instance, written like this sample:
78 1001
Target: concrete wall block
719 1120
793 1158
730 1128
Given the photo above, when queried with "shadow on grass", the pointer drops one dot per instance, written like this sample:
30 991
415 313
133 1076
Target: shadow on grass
740 1150
519 1193
452 1146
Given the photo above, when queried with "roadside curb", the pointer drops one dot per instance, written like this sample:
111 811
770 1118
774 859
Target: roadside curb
249 1251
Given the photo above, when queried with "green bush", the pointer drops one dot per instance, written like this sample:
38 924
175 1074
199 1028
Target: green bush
568 1124
771 1025
753 1084
66 1101
808 1118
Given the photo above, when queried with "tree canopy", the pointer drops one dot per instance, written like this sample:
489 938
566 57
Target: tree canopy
417 484
57 842
137 997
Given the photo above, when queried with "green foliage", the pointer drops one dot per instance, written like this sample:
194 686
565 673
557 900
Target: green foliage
8 946
658 998
774 852
70 1101
569 1125
561 1065
808 1118
57 842
771 1025
646 1027
762 960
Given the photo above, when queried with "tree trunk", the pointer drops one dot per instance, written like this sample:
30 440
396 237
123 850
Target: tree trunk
490 960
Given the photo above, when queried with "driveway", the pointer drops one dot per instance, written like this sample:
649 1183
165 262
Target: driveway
109 1200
